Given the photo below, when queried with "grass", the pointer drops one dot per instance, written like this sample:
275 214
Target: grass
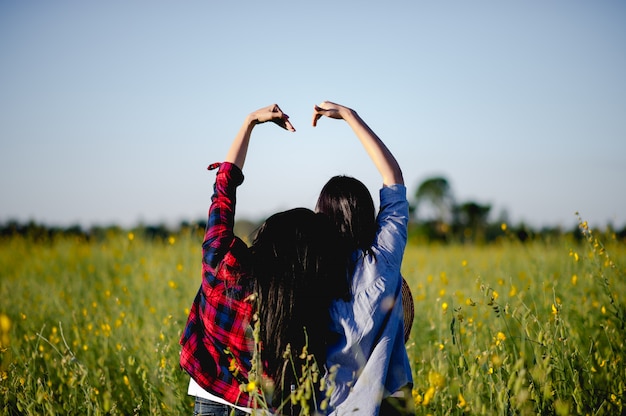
92 327
518 329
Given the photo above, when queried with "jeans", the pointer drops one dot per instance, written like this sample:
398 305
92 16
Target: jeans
205 407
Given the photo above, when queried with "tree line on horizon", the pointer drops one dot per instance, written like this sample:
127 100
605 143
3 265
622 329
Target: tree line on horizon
436 216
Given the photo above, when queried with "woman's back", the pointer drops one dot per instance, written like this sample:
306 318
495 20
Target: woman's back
370 356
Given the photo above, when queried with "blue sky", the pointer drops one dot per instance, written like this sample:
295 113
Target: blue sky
110 111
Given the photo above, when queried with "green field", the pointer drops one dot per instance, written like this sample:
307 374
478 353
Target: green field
92 327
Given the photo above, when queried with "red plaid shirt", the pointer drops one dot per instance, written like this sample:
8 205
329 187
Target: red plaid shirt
217 342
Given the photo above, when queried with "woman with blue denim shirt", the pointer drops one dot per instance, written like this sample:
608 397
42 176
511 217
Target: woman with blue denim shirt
373 371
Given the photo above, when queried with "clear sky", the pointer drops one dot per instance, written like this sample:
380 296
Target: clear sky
111 111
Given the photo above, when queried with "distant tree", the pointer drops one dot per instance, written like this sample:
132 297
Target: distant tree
434 204
470 220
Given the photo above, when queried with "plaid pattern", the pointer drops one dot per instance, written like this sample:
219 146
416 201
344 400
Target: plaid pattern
217 342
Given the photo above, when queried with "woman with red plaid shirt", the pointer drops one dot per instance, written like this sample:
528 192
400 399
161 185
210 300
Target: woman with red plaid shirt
294 269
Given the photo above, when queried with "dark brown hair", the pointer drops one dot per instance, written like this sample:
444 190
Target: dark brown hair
297 270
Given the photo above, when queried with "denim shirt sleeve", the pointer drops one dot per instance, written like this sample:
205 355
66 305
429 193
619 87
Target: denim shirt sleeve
393 222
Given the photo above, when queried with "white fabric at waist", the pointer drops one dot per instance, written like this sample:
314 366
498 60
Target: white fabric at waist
195 390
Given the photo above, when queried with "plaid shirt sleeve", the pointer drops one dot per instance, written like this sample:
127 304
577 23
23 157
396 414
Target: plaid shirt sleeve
217 343
219 235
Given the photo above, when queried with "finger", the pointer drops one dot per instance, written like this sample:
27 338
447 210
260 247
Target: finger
279 122
282 119
277 116
289 126
276 112
284 122
316 114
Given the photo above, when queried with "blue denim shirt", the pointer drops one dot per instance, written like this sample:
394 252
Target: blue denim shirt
371 354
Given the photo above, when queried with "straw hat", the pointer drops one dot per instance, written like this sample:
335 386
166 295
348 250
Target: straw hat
408 309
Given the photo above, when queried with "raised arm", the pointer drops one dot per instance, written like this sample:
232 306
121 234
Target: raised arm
239 149
383 159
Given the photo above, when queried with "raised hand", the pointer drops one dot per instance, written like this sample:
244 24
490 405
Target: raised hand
376 149
329 109
274 114
239 149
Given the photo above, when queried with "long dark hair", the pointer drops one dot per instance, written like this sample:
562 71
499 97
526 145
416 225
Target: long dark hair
297 271
349 205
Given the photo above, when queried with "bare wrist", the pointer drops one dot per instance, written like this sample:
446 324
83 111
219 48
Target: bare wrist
250 121
349 114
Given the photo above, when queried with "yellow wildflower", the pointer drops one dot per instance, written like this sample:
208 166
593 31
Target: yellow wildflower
430 393
5 324
417 398
496 360
461 403
436 379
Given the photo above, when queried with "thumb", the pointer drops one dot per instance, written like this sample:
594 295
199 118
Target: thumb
318 112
